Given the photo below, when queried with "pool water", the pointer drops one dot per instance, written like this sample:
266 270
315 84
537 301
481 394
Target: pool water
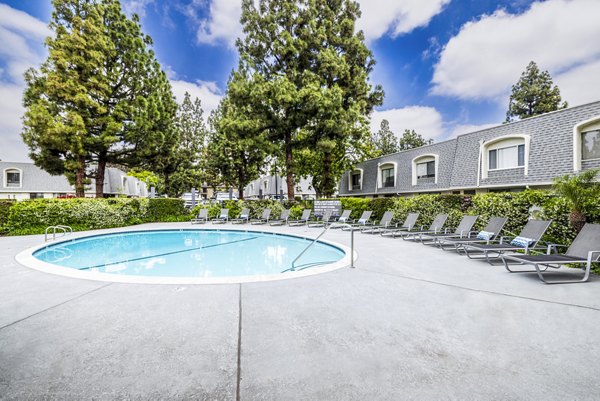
189 253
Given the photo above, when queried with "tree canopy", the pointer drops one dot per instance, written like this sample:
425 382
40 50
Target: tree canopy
302 84
384 141
533 94
100 97
410 140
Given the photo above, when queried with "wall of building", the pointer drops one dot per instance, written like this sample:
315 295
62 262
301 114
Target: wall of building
550 147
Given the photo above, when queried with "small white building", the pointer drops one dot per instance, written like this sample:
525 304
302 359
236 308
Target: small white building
27 181
272 186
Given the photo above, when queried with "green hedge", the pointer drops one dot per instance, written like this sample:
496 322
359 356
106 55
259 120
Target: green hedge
33 216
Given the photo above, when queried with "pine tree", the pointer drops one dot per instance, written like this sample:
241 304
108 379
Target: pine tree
303 77
410 140
183 170
100 97
533 94
385 141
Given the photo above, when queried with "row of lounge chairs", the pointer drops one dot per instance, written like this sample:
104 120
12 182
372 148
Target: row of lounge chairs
491 244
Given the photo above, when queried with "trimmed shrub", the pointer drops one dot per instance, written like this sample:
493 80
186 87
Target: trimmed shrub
165 210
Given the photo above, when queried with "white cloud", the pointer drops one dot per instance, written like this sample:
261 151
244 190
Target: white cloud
136 7
22 37
208 93
426 121
580 84
396 17
487 56
221 22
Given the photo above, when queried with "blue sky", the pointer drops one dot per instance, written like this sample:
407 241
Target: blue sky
446 65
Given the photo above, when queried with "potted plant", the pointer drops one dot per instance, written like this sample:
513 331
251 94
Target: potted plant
578 190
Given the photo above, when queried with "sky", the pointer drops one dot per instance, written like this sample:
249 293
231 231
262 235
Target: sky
446 66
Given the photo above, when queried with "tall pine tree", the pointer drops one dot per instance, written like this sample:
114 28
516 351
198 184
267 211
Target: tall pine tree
100 97
533 94
385 141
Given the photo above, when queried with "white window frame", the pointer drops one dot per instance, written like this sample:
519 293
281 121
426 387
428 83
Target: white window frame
422 159
591 124
13 170
353 172
385 166
500 143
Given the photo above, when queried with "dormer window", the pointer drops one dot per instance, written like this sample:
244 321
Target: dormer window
387 175
12 178
424 169
355 179
506 152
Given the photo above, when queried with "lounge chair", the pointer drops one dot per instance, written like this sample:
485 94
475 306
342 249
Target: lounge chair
584 250
323 221
490 232
201 218
283 218
437 226
462 231
409 224
527 240
361 223
343 219
384 224
244 217
303 220
223 217
263 219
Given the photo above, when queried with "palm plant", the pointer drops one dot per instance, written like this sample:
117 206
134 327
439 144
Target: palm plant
578 190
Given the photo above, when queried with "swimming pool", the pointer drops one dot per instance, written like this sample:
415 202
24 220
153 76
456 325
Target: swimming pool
186 255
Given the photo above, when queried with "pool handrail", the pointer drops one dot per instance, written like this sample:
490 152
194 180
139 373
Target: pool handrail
293 268
59 227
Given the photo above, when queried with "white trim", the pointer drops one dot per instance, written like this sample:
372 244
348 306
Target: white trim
379 173
436 159
27 259
487 146
577 131
5 178
352 172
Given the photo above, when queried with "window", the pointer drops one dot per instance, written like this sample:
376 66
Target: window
387 177
356 180
426 169
36 196
13 178
509 157
425 166
590 145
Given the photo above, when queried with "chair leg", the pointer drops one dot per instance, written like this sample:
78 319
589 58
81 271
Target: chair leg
584 278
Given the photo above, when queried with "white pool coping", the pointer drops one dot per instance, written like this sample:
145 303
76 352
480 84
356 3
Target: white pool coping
27 259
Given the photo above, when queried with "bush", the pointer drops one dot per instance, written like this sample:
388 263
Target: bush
5 206
165 210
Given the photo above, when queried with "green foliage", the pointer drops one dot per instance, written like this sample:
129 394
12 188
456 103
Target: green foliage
147 177
533 94
4 212
303 83
166 209
578 189
410 140
100 96
357 205
182 171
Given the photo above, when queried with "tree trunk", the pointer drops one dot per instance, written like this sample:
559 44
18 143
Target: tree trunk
289 167
577 220
100 178
80 177
240 185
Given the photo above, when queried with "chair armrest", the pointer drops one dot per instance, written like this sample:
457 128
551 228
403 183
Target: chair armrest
505 238
591 258
553 247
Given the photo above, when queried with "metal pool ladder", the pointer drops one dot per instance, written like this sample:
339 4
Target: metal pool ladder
293 268
59 228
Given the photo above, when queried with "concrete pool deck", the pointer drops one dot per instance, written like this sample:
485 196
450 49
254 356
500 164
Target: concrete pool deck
409 322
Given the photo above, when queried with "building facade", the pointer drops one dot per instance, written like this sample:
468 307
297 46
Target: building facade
27 181
275 186
511 157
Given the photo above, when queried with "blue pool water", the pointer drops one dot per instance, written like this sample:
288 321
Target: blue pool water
188 253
